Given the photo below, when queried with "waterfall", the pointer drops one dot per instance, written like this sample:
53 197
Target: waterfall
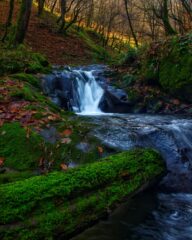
89 93
85 90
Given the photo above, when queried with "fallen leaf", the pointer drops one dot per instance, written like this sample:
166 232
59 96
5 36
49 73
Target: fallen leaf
51 118
67 132
66 140
176 102
64 167
41 161
2 160
100 150
1 122
28 132
3 133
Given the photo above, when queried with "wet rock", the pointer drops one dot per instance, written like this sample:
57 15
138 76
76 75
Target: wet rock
84 147
63 87
50 135
2 170
110 103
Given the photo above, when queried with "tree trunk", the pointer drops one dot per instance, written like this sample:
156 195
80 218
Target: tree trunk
63 12
130 23
40 6
9 18
165 17
188 8
90 14
23 21
53 6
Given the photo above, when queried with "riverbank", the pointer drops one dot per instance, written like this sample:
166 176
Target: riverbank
158 77
40 143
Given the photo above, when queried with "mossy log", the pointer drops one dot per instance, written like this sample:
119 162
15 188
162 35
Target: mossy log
62 203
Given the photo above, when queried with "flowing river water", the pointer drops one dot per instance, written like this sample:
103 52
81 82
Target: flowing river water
161 213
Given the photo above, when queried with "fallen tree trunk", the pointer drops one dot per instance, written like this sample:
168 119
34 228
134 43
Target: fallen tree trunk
61 204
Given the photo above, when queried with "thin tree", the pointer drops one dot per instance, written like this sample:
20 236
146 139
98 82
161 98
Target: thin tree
63 7
165 18
41 4
9 19
23 21
130 23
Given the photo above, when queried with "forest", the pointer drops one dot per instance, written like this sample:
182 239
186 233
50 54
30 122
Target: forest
95 119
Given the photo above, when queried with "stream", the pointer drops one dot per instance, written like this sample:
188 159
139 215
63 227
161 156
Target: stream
161 213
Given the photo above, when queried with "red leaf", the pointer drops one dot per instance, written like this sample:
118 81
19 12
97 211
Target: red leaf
67 132
66 140
100 150
64 167
2 160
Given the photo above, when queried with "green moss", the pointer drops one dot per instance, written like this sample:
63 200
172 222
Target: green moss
128 80
34 81
24 93
66 202
15 176
98 52
169 65
130 56
20 152
20 60
176 75
32 94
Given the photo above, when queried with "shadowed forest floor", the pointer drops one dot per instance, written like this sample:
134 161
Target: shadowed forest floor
42 37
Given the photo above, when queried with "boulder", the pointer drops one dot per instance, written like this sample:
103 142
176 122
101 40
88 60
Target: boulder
111 103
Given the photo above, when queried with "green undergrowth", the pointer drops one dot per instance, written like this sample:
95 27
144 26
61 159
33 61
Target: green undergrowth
15 60
34 81
30 90
20 152
63 203
23 153
28 93
99 53
168 64
14 176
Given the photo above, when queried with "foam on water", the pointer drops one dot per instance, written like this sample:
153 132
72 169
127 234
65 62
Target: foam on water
90 94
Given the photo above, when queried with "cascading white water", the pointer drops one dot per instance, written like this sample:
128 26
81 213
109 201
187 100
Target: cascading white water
90 94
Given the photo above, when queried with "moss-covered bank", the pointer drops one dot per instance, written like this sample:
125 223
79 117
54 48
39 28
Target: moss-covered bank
168 64
21 59
63 203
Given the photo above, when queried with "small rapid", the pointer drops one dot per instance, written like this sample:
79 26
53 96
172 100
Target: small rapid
89 94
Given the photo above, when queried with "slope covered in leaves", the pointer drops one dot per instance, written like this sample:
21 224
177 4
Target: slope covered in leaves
77 47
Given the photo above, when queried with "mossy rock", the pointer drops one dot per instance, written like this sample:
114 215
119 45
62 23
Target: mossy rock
20 152
14 176
128 80
176 75
63 203
20 60
23 153
34 81
168 65
23 148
